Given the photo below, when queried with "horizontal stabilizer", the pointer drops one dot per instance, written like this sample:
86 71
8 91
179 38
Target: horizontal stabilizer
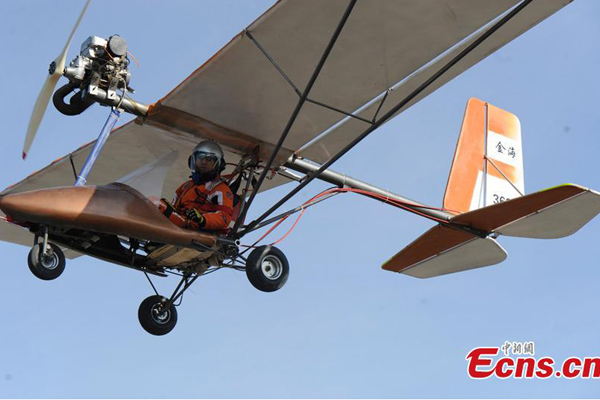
549 214
443 250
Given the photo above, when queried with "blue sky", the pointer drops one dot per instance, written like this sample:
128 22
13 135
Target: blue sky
341 327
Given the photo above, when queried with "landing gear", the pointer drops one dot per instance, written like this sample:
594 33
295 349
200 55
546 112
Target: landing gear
46 266
267 268
156 317
157 314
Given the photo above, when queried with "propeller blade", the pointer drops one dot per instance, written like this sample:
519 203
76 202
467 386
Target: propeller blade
60 65
56 69
38 110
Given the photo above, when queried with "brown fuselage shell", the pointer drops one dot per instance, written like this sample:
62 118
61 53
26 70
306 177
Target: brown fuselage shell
113 209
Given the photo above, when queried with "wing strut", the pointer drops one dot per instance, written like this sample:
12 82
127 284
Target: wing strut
301 102
289 81
386 117
106 129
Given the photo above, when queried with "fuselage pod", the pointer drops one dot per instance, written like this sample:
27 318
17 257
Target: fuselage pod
113 209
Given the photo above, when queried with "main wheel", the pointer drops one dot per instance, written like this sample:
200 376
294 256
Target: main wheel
267 268
49 266
154 319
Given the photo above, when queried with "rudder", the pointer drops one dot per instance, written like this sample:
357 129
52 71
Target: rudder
488 162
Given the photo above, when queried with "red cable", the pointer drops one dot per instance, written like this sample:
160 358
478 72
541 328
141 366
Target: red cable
385 199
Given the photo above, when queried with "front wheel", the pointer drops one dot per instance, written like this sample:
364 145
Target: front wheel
154 318
267 268
46 266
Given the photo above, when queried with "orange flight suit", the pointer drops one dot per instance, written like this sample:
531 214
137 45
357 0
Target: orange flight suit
214 200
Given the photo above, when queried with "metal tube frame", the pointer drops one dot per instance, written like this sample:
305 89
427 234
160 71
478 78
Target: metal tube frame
502 173
178 293
45 241
301 102
104 133
387 92
292 211
273 62
151 284
244 205
332 108
387 116
343 180
295 88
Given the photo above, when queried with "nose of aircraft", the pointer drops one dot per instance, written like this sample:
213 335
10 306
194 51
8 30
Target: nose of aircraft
44 205
10 205
20 206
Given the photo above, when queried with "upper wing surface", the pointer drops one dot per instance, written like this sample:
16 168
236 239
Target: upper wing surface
239 99
382 43
327 145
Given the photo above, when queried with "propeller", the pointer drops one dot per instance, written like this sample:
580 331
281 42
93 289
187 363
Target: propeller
54 73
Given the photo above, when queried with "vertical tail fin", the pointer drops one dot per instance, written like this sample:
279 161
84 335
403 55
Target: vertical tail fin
488 169
488 161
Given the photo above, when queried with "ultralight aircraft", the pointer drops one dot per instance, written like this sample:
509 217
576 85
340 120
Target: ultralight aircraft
286 98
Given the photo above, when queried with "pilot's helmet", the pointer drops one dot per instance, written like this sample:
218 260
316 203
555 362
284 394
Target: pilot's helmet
208 149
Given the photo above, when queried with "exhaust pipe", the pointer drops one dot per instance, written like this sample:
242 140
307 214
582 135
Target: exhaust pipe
77 104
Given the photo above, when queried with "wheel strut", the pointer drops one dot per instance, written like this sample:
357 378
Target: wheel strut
44 241
178 292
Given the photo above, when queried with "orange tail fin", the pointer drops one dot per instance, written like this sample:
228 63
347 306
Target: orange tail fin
488 161
486 191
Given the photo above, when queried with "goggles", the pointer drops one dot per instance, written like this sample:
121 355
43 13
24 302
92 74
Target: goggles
201 155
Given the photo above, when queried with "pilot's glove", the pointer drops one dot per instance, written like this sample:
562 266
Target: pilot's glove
166 207
194 215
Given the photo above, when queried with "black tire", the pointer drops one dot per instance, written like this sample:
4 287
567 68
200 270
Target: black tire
267 268
155 322
47 267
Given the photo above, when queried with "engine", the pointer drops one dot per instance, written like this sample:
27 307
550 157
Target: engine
97 74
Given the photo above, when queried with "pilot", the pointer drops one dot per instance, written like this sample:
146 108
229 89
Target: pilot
205 201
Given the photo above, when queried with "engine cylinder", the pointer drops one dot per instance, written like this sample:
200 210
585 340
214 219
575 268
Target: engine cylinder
117 47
